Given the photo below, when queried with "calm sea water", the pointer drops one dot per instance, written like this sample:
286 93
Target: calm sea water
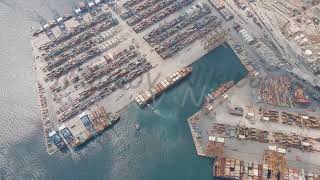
162 149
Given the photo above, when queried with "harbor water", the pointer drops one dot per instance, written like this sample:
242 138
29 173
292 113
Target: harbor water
161 149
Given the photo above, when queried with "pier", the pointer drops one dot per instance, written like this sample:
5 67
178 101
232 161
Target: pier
46 122
258 128
250 128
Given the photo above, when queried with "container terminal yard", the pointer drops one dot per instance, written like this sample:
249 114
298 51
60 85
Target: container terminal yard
95 62
107 55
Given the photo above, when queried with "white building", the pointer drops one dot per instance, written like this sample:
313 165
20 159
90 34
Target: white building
246 36
308 2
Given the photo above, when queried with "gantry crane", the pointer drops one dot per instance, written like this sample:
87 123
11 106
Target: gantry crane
277 162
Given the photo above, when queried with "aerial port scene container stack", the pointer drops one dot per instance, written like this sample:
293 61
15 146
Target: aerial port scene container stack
109 54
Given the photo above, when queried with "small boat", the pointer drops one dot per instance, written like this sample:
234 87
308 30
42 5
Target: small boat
137 127
149 105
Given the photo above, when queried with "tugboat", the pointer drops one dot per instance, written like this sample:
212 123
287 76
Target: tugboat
152 108
137 127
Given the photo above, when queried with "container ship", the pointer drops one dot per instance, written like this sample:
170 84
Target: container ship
220 91
57 140
145 96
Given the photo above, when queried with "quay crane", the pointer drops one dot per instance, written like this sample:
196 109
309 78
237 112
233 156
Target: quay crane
59 21
275 158
45 26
